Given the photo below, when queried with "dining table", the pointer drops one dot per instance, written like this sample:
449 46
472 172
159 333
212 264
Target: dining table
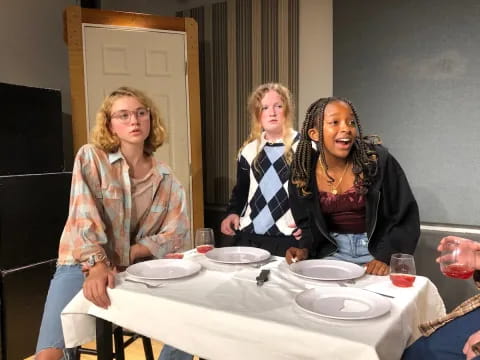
220 311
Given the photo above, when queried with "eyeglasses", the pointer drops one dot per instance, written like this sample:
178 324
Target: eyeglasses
125 115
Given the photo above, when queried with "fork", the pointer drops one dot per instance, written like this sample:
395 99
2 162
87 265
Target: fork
150 286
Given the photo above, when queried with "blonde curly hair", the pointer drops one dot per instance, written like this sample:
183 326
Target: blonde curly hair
255 110
101 135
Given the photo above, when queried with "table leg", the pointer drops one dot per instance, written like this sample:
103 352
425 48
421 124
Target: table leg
104 340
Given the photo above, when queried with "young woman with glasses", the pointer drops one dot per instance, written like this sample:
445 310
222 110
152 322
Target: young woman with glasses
117 213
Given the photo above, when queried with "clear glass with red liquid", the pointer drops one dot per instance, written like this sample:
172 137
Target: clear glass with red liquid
173 256
402 270
451 265
204 240
457 271
402 280
202 249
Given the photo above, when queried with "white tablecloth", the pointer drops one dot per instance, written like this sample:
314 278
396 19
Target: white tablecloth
221 313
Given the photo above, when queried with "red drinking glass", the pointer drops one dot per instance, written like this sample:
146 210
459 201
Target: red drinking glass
173 256
204 240
453 260
402 270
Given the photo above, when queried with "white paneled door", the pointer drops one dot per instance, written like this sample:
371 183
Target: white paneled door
153 61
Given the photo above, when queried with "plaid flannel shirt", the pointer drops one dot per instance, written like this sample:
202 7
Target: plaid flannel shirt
468 305
100 211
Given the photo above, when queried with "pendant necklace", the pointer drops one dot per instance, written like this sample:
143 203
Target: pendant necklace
333 189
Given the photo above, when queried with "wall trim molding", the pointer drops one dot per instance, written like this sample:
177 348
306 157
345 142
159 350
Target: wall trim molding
451 229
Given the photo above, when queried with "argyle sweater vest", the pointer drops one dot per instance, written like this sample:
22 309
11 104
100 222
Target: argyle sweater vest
267 210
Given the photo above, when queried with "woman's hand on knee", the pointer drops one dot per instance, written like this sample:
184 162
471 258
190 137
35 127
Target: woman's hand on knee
95 286
377 267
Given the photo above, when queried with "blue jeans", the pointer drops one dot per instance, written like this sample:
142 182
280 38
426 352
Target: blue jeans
352 248
66 283
171 353
447 342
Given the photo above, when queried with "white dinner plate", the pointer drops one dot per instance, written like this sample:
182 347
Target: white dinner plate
342 303
327 269
163 269
238 255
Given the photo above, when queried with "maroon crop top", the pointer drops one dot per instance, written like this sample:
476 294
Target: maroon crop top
344 213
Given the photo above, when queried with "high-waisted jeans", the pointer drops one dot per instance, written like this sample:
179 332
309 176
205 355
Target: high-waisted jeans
352 248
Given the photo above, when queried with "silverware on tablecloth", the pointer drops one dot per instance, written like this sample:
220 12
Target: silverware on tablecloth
379 293
260 264
262 277
148 285
343 284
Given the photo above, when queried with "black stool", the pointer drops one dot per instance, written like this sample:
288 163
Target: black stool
121 344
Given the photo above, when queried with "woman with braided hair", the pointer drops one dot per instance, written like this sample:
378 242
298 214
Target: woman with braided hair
348 195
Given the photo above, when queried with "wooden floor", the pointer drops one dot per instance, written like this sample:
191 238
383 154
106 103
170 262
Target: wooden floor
133 352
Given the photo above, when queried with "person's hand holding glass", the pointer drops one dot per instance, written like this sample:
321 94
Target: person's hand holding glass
204 240
459 257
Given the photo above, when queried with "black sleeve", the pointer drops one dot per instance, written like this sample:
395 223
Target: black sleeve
238 199
300 212
398 214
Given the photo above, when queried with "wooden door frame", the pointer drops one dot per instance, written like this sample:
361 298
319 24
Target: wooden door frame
74 17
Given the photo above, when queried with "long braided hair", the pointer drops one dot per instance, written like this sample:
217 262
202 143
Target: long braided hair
363 154
255 109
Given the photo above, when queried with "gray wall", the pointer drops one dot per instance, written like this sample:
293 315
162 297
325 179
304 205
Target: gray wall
33 53
412 68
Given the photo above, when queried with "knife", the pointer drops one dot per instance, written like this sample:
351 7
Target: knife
379 293
262 277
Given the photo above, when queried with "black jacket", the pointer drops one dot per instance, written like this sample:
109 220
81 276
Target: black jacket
392 216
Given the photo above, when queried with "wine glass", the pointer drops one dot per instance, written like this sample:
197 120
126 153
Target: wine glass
455 258
204 240
174 256
402 270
